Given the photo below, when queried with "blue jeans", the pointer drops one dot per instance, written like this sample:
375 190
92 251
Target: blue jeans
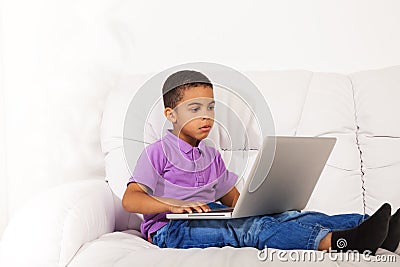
287 230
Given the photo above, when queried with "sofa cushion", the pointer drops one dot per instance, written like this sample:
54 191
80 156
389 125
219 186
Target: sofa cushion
127 248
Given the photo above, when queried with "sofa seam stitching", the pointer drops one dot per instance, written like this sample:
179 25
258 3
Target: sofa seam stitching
359 148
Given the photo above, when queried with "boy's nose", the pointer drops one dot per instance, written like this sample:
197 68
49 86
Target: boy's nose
206 118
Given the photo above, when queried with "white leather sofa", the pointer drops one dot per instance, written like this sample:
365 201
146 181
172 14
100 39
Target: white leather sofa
83 224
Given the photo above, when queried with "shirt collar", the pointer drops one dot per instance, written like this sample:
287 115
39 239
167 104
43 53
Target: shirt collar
183 145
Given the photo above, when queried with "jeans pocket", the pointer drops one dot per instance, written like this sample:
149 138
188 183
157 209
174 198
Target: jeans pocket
159 237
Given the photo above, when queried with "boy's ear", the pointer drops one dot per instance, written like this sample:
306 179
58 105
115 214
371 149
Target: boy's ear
170 114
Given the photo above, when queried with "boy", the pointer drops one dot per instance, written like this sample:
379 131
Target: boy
179 173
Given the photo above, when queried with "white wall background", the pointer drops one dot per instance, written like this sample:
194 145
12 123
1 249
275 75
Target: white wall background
3 180
59 56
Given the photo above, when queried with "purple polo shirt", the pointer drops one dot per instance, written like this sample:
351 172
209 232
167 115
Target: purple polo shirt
172 168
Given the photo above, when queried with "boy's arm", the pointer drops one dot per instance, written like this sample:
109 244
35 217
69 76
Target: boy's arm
136 200
230 198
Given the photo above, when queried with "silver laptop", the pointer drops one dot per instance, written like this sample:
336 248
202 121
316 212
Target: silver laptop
288 185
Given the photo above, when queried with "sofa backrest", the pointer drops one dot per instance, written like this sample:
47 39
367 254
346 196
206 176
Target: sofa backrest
358 109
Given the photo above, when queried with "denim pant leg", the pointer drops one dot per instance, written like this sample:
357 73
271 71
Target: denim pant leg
257 231
241 232
333 222
315 220
288 230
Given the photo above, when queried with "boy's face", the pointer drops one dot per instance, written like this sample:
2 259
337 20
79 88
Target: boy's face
193 117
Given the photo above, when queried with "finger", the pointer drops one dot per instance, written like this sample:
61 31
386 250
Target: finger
198 209
176 210
181 210
205 207
191 205
188 209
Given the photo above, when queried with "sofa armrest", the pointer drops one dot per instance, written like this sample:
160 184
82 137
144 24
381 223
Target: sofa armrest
50 229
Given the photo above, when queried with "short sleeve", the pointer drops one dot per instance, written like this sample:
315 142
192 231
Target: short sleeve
226 179
149 167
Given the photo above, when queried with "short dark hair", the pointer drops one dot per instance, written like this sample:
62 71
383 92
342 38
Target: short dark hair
175 85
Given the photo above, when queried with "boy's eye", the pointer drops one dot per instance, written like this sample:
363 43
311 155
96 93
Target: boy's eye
195 109
211 107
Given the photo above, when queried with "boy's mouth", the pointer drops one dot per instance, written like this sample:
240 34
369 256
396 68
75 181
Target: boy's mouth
205 128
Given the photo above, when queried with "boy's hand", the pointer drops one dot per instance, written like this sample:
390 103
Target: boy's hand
136 199
179 206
